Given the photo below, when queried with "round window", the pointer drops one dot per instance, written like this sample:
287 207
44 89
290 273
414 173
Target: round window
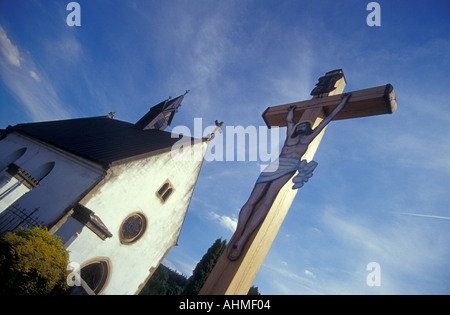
132 228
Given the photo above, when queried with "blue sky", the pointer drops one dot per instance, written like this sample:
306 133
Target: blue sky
380 192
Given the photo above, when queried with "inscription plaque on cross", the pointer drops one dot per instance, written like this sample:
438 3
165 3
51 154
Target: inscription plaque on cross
262 215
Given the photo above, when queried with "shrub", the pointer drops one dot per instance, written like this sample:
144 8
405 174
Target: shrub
32 262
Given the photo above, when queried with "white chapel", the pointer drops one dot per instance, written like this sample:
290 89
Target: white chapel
111 189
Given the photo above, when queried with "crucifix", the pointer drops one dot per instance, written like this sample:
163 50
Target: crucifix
262 215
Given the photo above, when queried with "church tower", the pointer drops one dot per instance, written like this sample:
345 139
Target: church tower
111 189
160 116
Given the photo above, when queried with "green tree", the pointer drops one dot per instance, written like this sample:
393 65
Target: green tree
32 262
164 282
204 267
253 291
176 283
157 285
169 282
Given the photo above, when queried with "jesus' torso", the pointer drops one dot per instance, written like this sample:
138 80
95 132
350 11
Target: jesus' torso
295 147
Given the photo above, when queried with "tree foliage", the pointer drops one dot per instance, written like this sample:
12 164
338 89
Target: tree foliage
32 262
168 282
164 282
253 291
204 267
159 282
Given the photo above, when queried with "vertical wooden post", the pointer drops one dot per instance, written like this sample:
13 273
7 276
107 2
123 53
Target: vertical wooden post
236 277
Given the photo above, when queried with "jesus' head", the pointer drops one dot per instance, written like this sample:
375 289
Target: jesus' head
302 128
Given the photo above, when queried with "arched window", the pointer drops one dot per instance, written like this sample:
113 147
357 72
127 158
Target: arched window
167 194
11 158
96 274
165 191
15 181
42 171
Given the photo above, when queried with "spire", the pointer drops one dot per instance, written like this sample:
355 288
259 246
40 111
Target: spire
160 116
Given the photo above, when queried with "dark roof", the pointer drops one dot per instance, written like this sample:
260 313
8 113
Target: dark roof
100 139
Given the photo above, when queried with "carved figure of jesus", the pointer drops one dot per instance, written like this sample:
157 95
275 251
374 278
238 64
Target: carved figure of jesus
271 180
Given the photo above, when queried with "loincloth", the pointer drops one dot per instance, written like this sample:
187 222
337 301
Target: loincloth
283 166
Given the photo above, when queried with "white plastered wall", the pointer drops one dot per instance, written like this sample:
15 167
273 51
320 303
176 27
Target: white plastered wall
70 178
128 188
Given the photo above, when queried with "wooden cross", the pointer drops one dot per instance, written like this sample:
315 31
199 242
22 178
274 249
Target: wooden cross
235 277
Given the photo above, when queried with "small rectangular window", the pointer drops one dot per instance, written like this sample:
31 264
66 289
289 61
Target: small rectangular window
165 191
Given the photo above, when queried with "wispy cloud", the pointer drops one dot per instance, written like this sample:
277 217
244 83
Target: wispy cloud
404 249
201 51
334 261
427 216
288 280
227 222
30 86
35 76
68 48
310 274
9 51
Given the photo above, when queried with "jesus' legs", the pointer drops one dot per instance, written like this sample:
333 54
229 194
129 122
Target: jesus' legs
247 210
248 226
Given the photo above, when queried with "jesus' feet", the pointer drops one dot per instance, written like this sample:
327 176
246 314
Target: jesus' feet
233 251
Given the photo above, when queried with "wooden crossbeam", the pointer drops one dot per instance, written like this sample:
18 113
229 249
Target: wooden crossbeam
368 102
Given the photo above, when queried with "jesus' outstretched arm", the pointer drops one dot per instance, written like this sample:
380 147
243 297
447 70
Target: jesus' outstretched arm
290 119
330 117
